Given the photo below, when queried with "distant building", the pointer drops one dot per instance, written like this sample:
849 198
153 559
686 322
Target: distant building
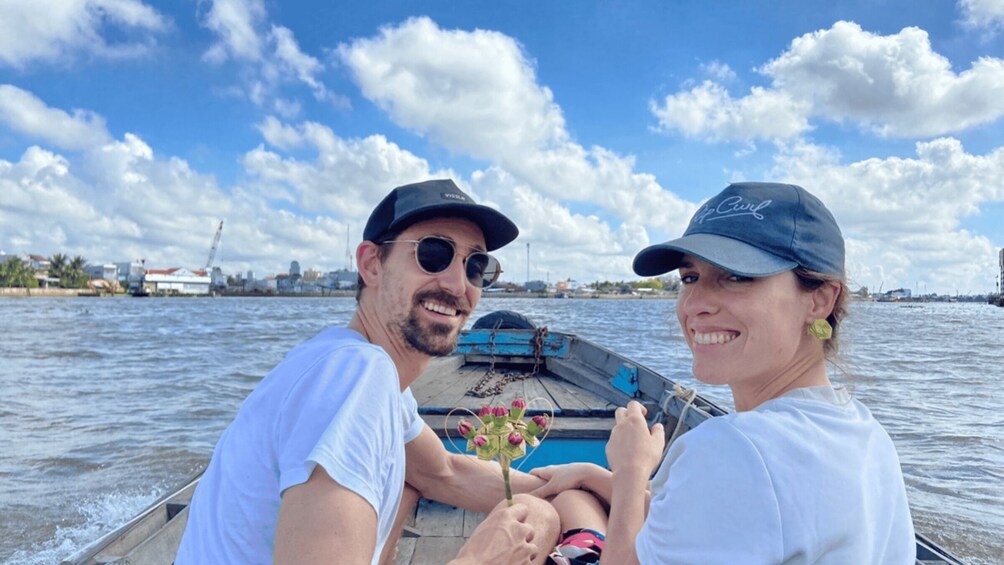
40 265
218 281
535 286
288 284
130 273
37 263
898 294
108 271
342 279
177 280
291 283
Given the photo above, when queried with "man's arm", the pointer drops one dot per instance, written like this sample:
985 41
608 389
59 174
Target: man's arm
320 521
522 533
459 480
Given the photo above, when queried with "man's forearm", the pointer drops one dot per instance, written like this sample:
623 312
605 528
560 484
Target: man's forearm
475 484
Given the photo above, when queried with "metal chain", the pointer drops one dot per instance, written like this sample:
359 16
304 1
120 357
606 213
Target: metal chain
481 388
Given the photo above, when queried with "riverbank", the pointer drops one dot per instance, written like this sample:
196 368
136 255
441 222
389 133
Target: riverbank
74 293
50 292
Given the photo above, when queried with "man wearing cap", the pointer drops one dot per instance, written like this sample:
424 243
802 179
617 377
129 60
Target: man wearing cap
312 469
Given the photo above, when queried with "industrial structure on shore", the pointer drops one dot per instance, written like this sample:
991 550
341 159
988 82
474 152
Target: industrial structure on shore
998 299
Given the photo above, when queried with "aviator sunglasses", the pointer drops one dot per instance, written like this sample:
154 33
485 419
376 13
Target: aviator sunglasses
435 254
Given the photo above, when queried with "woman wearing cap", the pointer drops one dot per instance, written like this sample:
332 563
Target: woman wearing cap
801 472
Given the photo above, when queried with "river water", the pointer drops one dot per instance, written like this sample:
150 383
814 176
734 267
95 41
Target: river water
109 403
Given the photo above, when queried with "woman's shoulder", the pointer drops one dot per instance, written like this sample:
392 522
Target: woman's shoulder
727 436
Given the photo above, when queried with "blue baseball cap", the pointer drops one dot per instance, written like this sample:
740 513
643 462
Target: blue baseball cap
412 203
754 229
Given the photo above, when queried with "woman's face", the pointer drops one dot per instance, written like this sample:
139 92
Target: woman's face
744 332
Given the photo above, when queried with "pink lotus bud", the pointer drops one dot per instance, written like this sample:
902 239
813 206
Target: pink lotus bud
500 411
485 410
540 420
466 429
480 441
515 438
518 404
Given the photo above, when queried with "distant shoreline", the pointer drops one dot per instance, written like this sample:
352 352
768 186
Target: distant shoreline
7 292
86 293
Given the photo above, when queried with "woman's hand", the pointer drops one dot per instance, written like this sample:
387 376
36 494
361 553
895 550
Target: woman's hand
633 447
566 477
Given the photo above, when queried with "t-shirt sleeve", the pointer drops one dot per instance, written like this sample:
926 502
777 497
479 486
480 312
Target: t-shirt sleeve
413 423
358 443
345 421
716 506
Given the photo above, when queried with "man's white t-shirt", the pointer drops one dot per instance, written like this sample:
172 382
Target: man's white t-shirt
810 477
334 401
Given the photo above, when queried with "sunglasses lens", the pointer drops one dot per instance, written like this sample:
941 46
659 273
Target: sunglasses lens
434 254
482 269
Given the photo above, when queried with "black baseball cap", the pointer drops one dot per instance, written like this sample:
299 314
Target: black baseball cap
412 203
755 229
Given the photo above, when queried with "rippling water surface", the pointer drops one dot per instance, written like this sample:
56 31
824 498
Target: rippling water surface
109 403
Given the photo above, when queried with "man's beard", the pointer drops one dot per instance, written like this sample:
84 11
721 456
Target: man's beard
435 339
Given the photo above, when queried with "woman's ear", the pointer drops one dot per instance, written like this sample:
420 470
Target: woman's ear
368 261
824 299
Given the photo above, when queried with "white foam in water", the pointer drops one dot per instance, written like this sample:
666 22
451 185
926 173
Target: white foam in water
101 515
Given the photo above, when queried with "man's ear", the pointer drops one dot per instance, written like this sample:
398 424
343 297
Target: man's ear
368 261
824 299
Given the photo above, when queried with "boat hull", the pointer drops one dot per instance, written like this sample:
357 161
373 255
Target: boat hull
576 381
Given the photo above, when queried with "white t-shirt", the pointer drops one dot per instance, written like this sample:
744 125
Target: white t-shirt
810 477
334 401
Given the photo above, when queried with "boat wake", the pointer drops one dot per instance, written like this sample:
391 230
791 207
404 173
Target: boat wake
96 516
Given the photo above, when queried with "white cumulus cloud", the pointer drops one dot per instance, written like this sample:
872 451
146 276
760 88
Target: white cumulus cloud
985 14
23 112
59 31
903 217
270 53
708 111
894 85
476 93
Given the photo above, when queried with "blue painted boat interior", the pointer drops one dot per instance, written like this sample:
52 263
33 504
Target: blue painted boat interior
553 452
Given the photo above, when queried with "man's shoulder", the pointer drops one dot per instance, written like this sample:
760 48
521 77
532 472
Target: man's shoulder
332 348
338 340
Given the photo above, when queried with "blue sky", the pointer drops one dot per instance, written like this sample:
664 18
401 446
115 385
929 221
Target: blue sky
129 129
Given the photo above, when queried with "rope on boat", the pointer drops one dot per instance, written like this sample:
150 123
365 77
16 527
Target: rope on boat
687 395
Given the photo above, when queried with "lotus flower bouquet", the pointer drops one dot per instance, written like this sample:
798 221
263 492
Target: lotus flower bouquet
501 433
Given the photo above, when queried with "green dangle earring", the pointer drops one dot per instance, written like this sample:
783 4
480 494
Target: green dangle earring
820 329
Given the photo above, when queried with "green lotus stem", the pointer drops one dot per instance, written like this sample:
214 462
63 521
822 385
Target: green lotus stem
504 462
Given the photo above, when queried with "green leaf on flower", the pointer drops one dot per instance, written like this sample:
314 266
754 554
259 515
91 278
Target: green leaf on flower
514 452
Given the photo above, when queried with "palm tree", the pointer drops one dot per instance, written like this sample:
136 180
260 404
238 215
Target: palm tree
76 276
57 267
15 273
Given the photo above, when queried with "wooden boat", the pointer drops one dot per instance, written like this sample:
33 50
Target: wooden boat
583 383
